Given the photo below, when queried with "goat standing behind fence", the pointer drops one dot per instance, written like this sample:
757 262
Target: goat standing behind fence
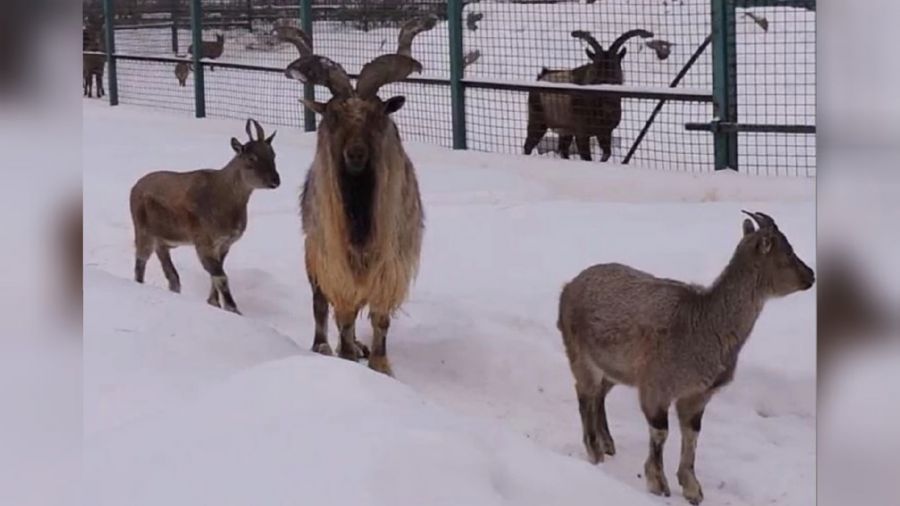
580 115
92 65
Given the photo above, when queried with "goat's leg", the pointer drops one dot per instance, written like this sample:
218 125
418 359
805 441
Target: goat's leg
101 91
143 248
84 84
162 252
378 360
587 407
587 388
535 134
320 313
537 125
602 425
565 141
583 143
690 413
346 322
657 414
604 140
212 262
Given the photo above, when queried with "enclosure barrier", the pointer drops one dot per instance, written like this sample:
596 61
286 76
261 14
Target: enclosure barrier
720 84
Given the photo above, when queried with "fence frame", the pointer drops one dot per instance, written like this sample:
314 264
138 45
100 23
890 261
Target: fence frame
724 125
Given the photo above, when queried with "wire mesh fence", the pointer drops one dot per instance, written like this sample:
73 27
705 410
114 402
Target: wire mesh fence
633 103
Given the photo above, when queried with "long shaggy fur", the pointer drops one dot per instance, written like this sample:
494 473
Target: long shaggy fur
380 272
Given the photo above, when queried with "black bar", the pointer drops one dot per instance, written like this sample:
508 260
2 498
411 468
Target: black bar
683 72
800 4
750 128
112 76
686 97
259 68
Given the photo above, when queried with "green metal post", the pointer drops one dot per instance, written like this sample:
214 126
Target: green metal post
457 92
110 33
309 92
197 40
724 82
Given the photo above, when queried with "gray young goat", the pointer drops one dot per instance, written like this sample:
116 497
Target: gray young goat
675 342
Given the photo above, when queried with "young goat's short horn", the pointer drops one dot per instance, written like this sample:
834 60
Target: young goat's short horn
762 220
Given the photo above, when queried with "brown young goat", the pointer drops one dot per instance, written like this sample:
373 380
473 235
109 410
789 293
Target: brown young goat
675 342
581 116
206 208
361 210
182 70
211 50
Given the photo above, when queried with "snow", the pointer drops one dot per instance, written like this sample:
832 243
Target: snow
188 404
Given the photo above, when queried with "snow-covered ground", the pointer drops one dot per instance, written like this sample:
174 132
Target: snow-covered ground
185 404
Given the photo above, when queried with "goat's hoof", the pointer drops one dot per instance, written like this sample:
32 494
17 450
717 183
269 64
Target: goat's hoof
381 364
351 354
214 302
609 447
363 350
594 452
323 348
656 482
233 309
690 487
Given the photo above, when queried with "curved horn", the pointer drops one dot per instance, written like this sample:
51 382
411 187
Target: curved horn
315 69
295 36
260 135
587 37
387 68
614 47
409 31
762 220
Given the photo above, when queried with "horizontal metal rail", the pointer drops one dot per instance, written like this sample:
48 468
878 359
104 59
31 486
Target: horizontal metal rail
649 93
750 128
611 90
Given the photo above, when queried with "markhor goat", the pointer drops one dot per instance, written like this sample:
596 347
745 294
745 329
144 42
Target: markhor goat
581 115
675 342
206 208
362 214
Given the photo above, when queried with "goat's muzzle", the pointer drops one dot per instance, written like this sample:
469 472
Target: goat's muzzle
275 181
356 157
807 276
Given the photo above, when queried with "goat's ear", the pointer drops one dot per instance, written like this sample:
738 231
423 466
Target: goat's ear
269 138
394 104
622 53
590 54
748 227
237 146
765 244
312 105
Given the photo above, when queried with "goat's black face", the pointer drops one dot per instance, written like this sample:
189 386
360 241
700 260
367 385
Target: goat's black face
608 66
780 268
355 127
258 169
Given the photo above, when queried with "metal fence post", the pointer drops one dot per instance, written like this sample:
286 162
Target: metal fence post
197 40
724 82
309 92
110 29
457 92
